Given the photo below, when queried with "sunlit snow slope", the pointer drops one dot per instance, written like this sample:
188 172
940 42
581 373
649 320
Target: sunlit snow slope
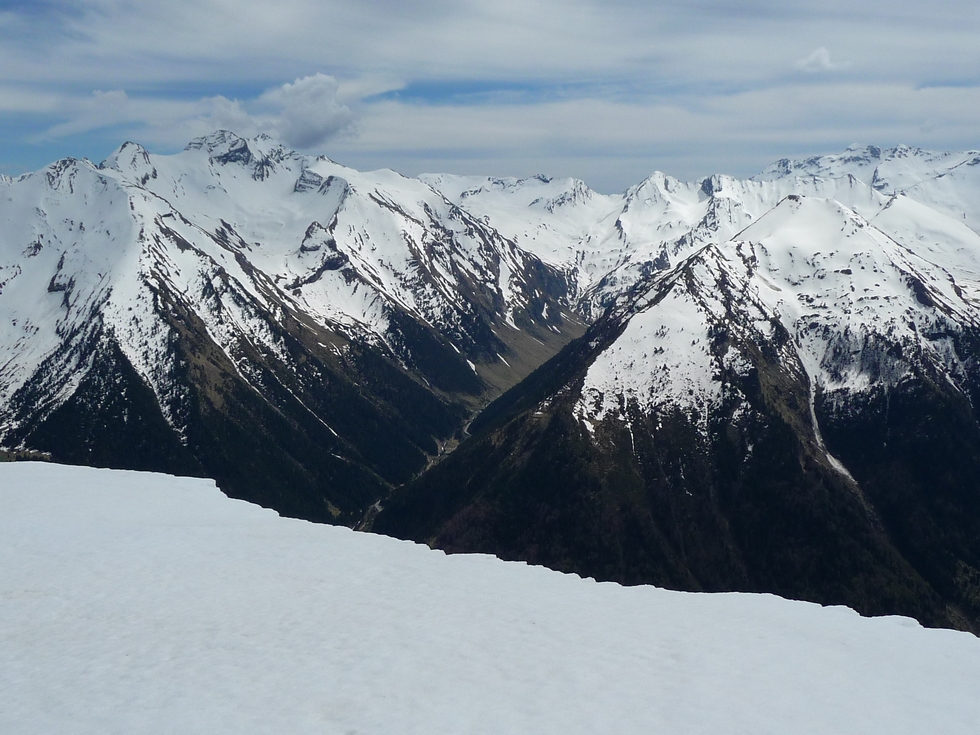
607 243
145 603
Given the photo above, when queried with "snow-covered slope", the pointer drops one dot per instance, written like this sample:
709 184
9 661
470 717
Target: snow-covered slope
310 223
145 603
561 221
240 229
946 181
887 169
858 307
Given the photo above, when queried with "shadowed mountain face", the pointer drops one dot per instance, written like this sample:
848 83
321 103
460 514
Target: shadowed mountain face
789 412
776 393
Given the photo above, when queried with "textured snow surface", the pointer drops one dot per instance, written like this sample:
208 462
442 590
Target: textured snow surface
139 603
946 181
663 357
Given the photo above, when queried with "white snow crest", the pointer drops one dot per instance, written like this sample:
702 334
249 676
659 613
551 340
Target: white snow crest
846 252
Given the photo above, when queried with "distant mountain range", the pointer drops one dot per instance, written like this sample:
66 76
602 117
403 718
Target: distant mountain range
775 391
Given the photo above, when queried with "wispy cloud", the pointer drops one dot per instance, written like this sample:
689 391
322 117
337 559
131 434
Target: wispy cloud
615 143
820 61
309 112
302 114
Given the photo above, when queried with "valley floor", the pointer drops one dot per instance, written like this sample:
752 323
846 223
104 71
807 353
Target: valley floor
141 603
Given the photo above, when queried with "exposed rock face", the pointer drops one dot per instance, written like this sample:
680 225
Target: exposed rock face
307 335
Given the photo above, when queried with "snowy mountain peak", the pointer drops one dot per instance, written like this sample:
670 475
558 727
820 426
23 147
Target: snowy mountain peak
888 169
248 239
841 290
574 191
721 185
219 140
260 153
654 187
61 175
869 150
131 160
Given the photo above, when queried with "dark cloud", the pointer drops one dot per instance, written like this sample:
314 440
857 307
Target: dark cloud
310 113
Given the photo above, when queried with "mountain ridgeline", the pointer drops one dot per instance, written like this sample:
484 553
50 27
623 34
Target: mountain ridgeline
309 336
775 389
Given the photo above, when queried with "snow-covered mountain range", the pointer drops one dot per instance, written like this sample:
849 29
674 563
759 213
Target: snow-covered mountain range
240 294
774 358
779 396
607 243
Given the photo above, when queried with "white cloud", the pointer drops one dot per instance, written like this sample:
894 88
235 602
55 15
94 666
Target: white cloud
303 114
310 112
612 144
215 113
820 61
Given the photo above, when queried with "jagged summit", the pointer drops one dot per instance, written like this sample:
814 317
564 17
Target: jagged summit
889 170
221 141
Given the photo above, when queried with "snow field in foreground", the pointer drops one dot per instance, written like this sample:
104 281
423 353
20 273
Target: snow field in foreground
141 603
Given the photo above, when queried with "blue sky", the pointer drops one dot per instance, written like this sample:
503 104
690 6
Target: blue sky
605 91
